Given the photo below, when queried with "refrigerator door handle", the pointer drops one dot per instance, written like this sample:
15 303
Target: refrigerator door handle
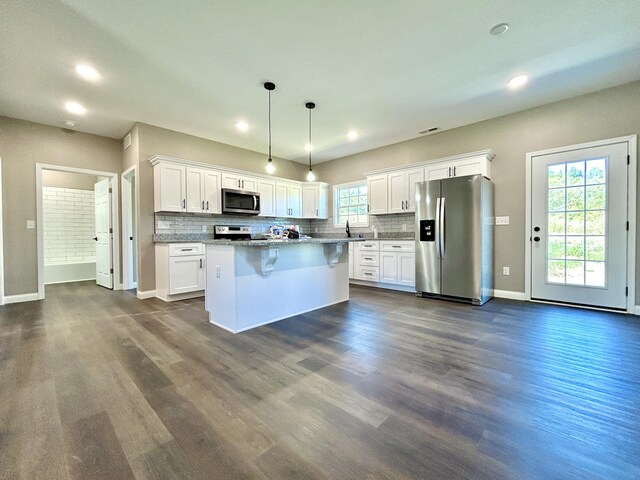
438 253
441 227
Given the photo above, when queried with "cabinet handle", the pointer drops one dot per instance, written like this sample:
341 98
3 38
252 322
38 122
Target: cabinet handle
396 246
316 212
449 172
367 273
454 171
186 249
200 263
184 203
242 183
207 204
367 258
368 208
203 204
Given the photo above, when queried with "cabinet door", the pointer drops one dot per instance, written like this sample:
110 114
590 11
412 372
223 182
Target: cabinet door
249 183
389 267
323 201
406 269
396 192
413 176
282 190
171 188
212 193
472 166
231 180
186 274
377 191
309 201
294 201
437 172
267 190
195 190
351 257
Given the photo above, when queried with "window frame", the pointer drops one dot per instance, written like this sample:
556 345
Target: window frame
336 201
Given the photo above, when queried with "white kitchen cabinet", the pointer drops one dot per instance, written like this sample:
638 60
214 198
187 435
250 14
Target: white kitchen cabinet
180 271
397 262
239 182
401 189
366 261
288 200
203 190
315 197
267 191
459 168
377 194
351 259
170 188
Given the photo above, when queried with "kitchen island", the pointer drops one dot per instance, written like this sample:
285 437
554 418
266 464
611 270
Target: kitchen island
255 282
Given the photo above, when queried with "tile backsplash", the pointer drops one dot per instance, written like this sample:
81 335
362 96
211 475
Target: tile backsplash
193 222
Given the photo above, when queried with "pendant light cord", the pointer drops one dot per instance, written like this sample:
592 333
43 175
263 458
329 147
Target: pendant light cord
269 125
310 147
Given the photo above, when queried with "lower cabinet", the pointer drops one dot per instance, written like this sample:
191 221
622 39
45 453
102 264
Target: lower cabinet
385 263
180 271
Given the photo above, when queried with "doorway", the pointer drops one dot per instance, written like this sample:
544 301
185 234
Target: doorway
76 215
581 211
129 237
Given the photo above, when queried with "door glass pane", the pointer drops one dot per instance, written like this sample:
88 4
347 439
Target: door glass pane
576 221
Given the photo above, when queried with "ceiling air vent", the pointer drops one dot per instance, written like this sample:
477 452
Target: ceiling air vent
429 130
126 142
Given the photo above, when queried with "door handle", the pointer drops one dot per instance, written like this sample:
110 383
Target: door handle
442 223
96 238
438 252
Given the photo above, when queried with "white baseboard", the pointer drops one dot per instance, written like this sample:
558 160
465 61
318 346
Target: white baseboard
636 310
509 294
24 297
144 295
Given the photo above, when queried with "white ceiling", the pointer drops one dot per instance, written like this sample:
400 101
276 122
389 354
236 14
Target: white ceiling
386 69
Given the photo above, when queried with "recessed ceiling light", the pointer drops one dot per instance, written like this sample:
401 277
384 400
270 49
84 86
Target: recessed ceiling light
308 147
70 123
352 135
499 29
75 107
518 81
242 126
87 72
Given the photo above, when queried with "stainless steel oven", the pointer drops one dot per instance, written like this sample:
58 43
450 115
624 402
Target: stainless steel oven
240 202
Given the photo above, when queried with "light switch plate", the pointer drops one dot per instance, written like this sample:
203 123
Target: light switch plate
505 271
502 220
204 229
31 224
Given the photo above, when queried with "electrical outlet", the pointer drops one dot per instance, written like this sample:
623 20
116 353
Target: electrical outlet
163 224
404 227
315 230
502 220
505 271
204 229
31 224
217 271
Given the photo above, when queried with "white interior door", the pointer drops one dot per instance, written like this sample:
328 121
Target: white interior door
579 226
104 234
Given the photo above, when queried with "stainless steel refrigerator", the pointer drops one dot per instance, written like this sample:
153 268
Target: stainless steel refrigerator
454 239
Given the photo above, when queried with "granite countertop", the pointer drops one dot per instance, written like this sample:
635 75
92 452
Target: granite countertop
206 239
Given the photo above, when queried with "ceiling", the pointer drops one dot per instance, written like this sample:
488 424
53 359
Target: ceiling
385 69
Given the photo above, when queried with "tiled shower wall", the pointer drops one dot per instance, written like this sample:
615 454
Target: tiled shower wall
69 225
193 222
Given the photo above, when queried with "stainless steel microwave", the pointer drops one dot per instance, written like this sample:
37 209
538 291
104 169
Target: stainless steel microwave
240 202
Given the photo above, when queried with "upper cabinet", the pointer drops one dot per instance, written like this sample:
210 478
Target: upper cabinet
267 190
170 188
315 200
203 190
288 199
393 190
239 182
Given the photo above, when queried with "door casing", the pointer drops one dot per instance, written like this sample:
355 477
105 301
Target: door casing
632 142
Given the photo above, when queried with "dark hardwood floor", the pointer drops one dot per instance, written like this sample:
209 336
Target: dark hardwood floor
96 384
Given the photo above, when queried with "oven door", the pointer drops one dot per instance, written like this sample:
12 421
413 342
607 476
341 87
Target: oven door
240 202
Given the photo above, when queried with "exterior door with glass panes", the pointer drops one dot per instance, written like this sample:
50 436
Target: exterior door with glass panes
579 226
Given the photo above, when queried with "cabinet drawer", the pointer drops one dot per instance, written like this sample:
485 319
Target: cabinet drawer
369 258
398 246
371 274
183 249
368 245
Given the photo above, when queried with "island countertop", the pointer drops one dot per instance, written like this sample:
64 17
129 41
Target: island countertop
168 238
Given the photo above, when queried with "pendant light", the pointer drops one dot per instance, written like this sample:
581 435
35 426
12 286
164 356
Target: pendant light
270 168
310 176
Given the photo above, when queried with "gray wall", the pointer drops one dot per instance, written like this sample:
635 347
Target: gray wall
152 141
80 181
605 114
22 145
